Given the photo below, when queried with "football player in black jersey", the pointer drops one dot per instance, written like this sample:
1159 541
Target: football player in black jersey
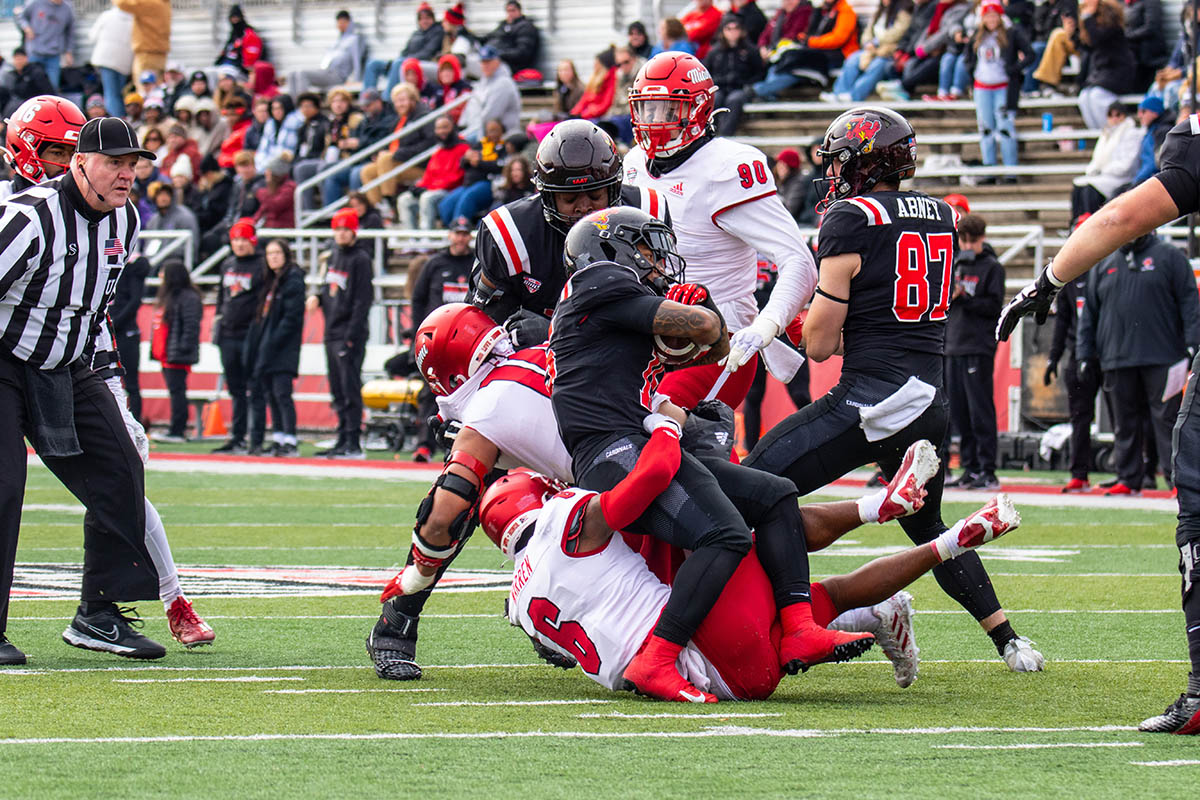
1173 192
621 294
518 272
885 261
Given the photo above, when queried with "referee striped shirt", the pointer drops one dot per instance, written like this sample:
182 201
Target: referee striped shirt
59 264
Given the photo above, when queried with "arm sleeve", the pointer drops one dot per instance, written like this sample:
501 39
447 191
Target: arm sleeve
105 361
655 469
635 313
767 226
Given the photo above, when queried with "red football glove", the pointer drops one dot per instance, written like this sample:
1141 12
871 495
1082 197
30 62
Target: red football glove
795 330
689 294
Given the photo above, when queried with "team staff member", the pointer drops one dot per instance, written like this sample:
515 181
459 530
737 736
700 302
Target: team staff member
1081 384
345 299
1172 193
74 232
242 276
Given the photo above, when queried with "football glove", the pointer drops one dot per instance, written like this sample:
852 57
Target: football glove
444 431
749 340
527 329
1036 299
134 428
689 294
552 657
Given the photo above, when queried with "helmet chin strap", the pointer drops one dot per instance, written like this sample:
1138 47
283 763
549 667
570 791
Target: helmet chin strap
661 165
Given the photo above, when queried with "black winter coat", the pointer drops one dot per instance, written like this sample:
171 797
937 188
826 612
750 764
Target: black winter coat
312 139
734 68
970 330
1110 63
754 21
347 295
273 344
517 43
182 319
1145 32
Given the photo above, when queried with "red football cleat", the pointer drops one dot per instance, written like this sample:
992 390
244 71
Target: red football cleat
1121 489
1076 485
906 492
187 628
653 673
800 651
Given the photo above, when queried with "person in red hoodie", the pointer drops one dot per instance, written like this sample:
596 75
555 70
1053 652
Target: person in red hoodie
179 145
237 116
277 197
418 206
448 87
701 21
598 93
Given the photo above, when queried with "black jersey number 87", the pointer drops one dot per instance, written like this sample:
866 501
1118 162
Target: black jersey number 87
917 256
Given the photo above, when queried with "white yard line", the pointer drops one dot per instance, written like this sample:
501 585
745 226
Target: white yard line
238 679
68 617
506 703
717 715
1034 745
1179 762
347 691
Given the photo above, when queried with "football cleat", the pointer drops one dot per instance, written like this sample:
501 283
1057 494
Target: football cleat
111 630
1076 485
1119 489
10 654
906 491
802 650
186 626
991 522
653 673
392 645
1182 717
894 635
1021 657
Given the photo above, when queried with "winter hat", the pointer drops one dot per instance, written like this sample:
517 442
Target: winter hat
345 218
210 164
790 157
424 8
607 58
95 101
1151 103
957 201
182 168
244 229
454 15
991 7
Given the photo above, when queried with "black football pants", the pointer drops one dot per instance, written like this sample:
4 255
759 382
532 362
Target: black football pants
1185 468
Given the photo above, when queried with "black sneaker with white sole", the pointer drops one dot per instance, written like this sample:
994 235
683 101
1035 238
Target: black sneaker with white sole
10 655
111 630
392 645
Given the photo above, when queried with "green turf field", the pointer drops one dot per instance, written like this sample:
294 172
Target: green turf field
286 703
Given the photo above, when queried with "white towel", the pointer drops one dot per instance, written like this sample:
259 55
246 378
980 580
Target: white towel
895 412
782 361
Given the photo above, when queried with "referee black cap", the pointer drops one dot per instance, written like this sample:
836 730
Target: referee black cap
111 136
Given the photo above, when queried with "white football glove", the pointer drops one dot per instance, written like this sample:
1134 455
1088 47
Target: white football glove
134 428
749 340
654 421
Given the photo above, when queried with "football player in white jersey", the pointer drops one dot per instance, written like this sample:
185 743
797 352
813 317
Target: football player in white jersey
499 402
581 591
725 211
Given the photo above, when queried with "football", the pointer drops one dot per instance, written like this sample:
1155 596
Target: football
676 350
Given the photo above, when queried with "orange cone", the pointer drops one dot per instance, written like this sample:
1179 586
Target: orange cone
214 425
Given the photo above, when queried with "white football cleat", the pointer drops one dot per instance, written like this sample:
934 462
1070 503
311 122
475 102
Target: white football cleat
1021 657
906 491
991 522
894 634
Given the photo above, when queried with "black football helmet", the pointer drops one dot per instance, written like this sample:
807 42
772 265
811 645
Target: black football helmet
576 156
870 145
613 235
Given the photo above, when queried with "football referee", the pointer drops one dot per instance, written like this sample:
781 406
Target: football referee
63 244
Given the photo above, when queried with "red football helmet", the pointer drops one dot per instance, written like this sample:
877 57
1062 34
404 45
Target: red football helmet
511 504
37 122
451 344
671 103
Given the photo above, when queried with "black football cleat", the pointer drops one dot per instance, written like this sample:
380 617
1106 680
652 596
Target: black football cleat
1182 717
111 630
392 645
10 655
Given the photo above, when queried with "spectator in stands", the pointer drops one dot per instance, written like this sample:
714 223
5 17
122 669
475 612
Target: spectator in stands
1137 350
214 190
210 128
448 87
182 174
975 305
788 26
242 277
97 107
1062 44
954 78
175 340
424 44
171 216
262 82
151 36
49 28
311 140
752 17
173 86
1111 70
277 196
735 64
516 39
1147 37
409 109
198 85
154 141
458 41
239 193
1114 163
180 146
127 299
628 66
418 206
481 163
996 56
21 80
229 80
600 88
377 123
153 114
796 188
273 351
345 299
1168 79
342 62
239 121
243 48
873 62
444 279
567 88
638 40
701 20
1156 125
281 133
369 218
494 96
672 36
918 56
832 37
516 181
111 36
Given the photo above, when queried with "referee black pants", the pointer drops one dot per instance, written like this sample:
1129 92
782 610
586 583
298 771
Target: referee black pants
106 478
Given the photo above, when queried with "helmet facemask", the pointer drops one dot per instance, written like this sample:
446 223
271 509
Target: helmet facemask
665 267
563 222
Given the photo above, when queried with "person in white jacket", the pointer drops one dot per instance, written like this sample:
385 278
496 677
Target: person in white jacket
1114 163
342 62
111 36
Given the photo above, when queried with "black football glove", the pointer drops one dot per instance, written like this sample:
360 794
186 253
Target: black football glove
527 329
1036 299
1087 369
444 431
1051 372
552 657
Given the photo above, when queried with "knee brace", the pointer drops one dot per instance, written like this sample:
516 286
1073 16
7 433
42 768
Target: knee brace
464 523
1189 568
